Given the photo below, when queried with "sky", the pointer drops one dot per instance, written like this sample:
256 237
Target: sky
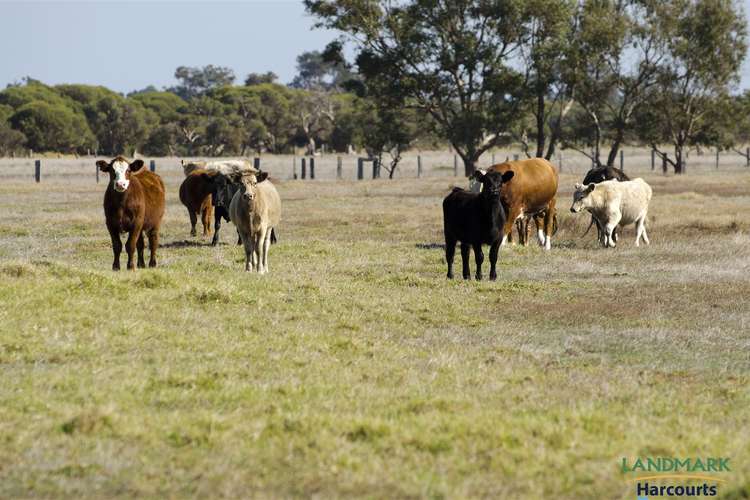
128 45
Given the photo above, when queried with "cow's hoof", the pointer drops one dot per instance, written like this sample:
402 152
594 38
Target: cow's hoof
493 277
449 276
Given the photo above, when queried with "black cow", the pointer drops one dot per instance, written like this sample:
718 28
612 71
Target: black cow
595 176
475 219
224 188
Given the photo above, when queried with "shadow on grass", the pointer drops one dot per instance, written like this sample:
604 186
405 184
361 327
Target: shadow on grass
430 246
187 243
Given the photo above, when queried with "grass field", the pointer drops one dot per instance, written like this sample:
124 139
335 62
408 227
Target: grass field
355 368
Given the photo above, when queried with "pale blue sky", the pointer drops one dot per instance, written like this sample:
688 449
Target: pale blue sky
129 45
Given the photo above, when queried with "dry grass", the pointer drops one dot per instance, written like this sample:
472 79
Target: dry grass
355 368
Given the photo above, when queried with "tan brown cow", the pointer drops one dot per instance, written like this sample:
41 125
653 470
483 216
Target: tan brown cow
532 192
133 204
195 194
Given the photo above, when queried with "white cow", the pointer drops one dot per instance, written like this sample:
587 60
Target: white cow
256 211
614 203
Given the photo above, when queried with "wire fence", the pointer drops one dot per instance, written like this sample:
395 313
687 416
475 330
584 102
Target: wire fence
414 164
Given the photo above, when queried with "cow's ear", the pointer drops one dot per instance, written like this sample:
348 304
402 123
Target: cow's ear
103 165
579 186
508 175
136 165
478 175
262 176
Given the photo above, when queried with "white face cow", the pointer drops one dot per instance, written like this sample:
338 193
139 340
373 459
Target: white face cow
581 199
248 184
119 172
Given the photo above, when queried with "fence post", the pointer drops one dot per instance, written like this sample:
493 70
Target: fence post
717 158
294 167
256 163
312 168
622 160
560 159
38 170
455 166
338 167
653 154
419 166
360 169
303 170
664 164
375 169
747 157
96 169
493 158
152 165
515 157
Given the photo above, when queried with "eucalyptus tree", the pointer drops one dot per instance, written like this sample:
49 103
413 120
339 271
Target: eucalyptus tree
450 59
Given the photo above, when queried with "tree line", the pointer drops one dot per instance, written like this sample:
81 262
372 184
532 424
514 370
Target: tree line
588 75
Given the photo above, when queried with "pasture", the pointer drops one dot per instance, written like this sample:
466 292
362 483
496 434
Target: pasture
355 368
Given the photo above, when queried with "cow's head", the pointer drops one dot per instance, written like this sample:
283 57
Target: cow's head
492 181
223 188
249 184
581 198
119 172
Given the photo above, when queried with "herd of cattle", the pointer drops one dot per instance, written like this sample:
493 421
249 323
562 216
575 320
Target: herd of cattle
517 192
233 190
505 195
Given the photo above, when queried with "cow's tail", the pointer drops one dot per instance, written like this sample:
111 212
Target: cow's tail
273 236
554 224
588 228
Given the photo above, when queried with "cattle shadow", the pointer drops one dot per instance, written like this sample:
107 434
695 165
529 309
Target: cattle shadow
430 246
187 244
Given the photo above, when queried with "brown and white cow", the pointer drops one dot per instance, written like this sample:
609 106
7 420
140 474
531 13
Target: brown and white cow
195 194
133 204
532 192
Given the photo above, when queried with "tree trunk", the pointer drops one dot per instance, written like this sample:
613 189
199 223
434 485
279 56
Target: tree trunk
679 167
540 136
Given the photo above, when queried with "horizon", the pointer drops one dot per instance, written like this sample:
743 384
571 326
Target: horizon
127 64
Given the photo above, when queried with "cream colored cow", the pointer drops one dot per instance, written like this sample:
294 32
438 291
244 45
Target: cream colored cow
614 203
256 210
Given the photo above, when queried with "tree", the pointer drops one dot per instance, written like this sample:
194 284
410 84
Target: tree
52 127
449 59
10 140
546 55
614 61
198 81
260 78
315 71
167 106
704 49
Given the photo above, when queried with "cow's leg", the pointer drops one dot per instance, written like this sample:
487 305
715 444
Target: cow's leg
139 247
478 259
509 223
450 251
643 231
217 226
153 244
116 248
247 242
609 227
494 248
266 247
465 260
521 229
131 244
549 223
260 243
640 231
193 222
206 220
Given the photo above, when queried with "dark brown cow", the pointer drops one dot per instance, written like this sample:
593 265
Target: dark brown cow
195 194
531 193
133 204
